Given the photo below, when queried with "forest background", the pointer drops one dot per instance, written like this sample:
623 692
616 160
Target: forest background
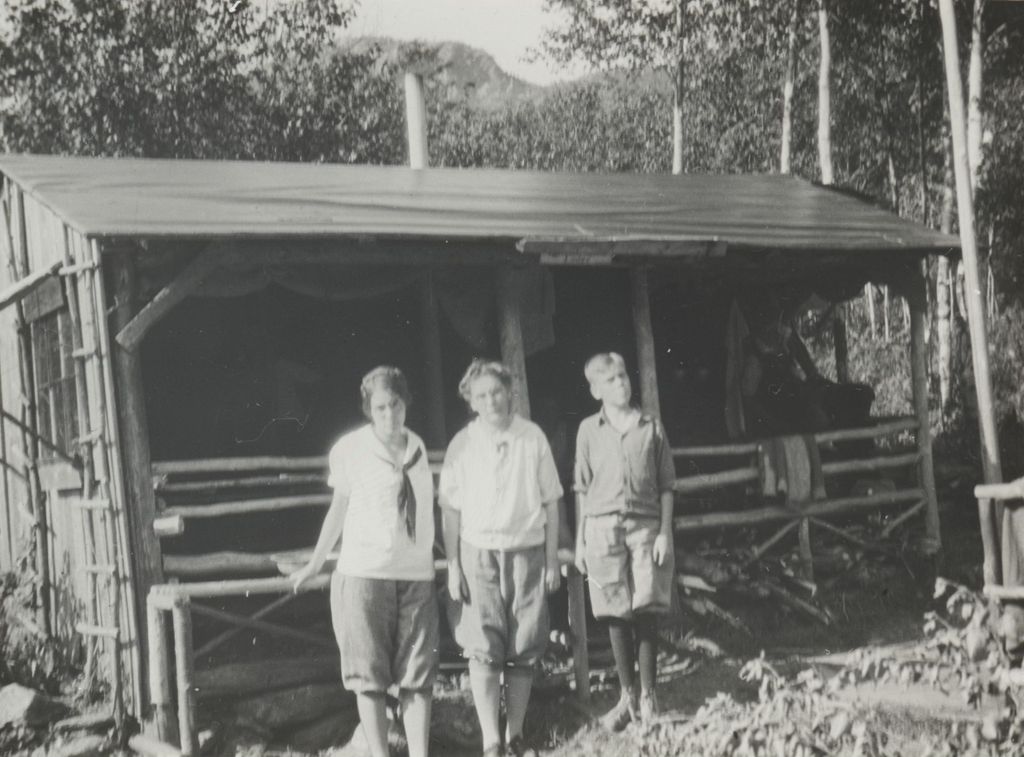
848 93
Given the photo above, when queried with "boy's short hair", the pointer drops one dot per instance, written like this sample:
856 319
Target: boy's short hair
599 364
480 367
385 377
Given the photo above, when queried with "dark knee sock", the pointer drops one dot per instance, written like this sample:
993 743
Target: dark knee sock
620 632
645 626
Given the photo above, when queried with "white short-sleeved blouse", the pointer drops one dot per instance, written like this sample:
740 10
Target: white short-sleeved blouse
374 541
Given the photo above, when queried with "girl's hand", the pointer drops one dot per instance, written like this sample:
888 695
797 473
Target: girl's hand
662 549
553 576
302 575
458 589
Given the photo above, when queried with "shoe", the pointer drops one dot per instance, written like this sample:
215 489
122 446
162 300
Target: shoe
649 708
622 714
517 747
492 751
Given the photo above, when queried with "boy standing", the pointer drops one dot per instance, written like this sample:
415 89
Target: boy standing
499 489
624 476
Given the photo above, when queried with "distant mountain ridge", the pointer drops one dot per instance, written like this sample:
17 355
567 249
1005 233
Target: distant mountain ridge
462 68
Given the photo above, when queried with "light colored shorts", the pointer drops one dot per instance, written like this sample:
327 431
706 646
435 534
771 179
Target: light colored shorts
387 632
505 623
621 572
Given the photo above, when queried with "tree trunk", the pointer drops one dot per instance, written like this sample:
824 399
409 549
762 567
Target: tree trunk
824 96
974 89
991 463
678 91
869 305
885 311
787 90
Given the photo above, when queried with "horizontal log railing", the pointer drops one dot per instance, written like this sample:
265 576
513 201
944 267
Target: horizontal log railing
750 472
179 601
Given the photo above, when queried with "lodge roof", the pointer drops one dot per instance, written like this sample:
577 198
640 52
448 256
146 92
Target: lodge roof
194 199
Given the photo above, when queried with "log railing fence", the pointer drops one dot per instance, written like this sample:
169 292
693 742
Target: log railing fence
205 489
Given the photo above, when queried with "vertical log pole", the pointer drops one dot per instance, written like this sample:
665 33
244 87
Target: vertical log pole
578 628
416 121
919 377
513 352
181 615
419 158
430 323
644 332
991 465
29 417
159 672
134 435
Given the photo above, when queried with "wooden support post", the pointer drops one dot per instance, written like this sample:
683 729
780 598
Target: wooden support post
134 432
578 628
184 668
841 348
991 465
431 325
645 351
513 352
919 378
130 333
159 672
29 419
416 121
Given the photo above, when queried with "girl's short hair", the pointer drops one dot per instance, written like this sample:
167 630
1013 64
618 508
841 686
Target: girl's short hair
480 367
385 377
600 364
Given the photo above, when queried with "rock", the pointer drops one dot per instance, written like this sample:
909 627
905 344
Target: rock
330 731
23 706
303 704
83 746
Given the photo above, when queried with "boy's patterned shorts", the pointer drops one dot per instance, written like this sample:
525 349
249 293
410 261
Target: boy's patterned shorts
623 577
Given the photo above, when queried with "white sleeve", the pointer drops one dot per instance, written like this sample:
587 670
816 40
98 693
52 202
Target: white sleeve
338 476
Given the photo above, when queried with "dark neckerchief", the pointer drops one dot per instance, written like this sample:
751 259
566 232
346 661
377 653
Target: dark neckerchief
406 494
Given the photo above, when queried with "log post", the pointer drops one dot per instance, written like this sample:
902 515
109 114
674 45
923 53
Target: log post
29 417
416 121
991 464
919 378
578 628
434 389
134 433
159 672
184 665
513 352
645 351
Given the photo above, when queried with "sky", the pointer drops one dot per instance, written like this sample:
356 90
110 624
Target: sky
504 28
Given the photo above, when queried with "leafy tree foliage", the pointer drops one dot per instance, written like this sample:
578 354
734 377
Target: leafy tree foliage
193 79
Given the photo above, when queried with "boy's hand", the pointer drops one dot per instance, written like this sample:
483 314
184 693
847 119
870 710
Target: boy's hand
553 576
662 549
458 589
300 576
580 561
